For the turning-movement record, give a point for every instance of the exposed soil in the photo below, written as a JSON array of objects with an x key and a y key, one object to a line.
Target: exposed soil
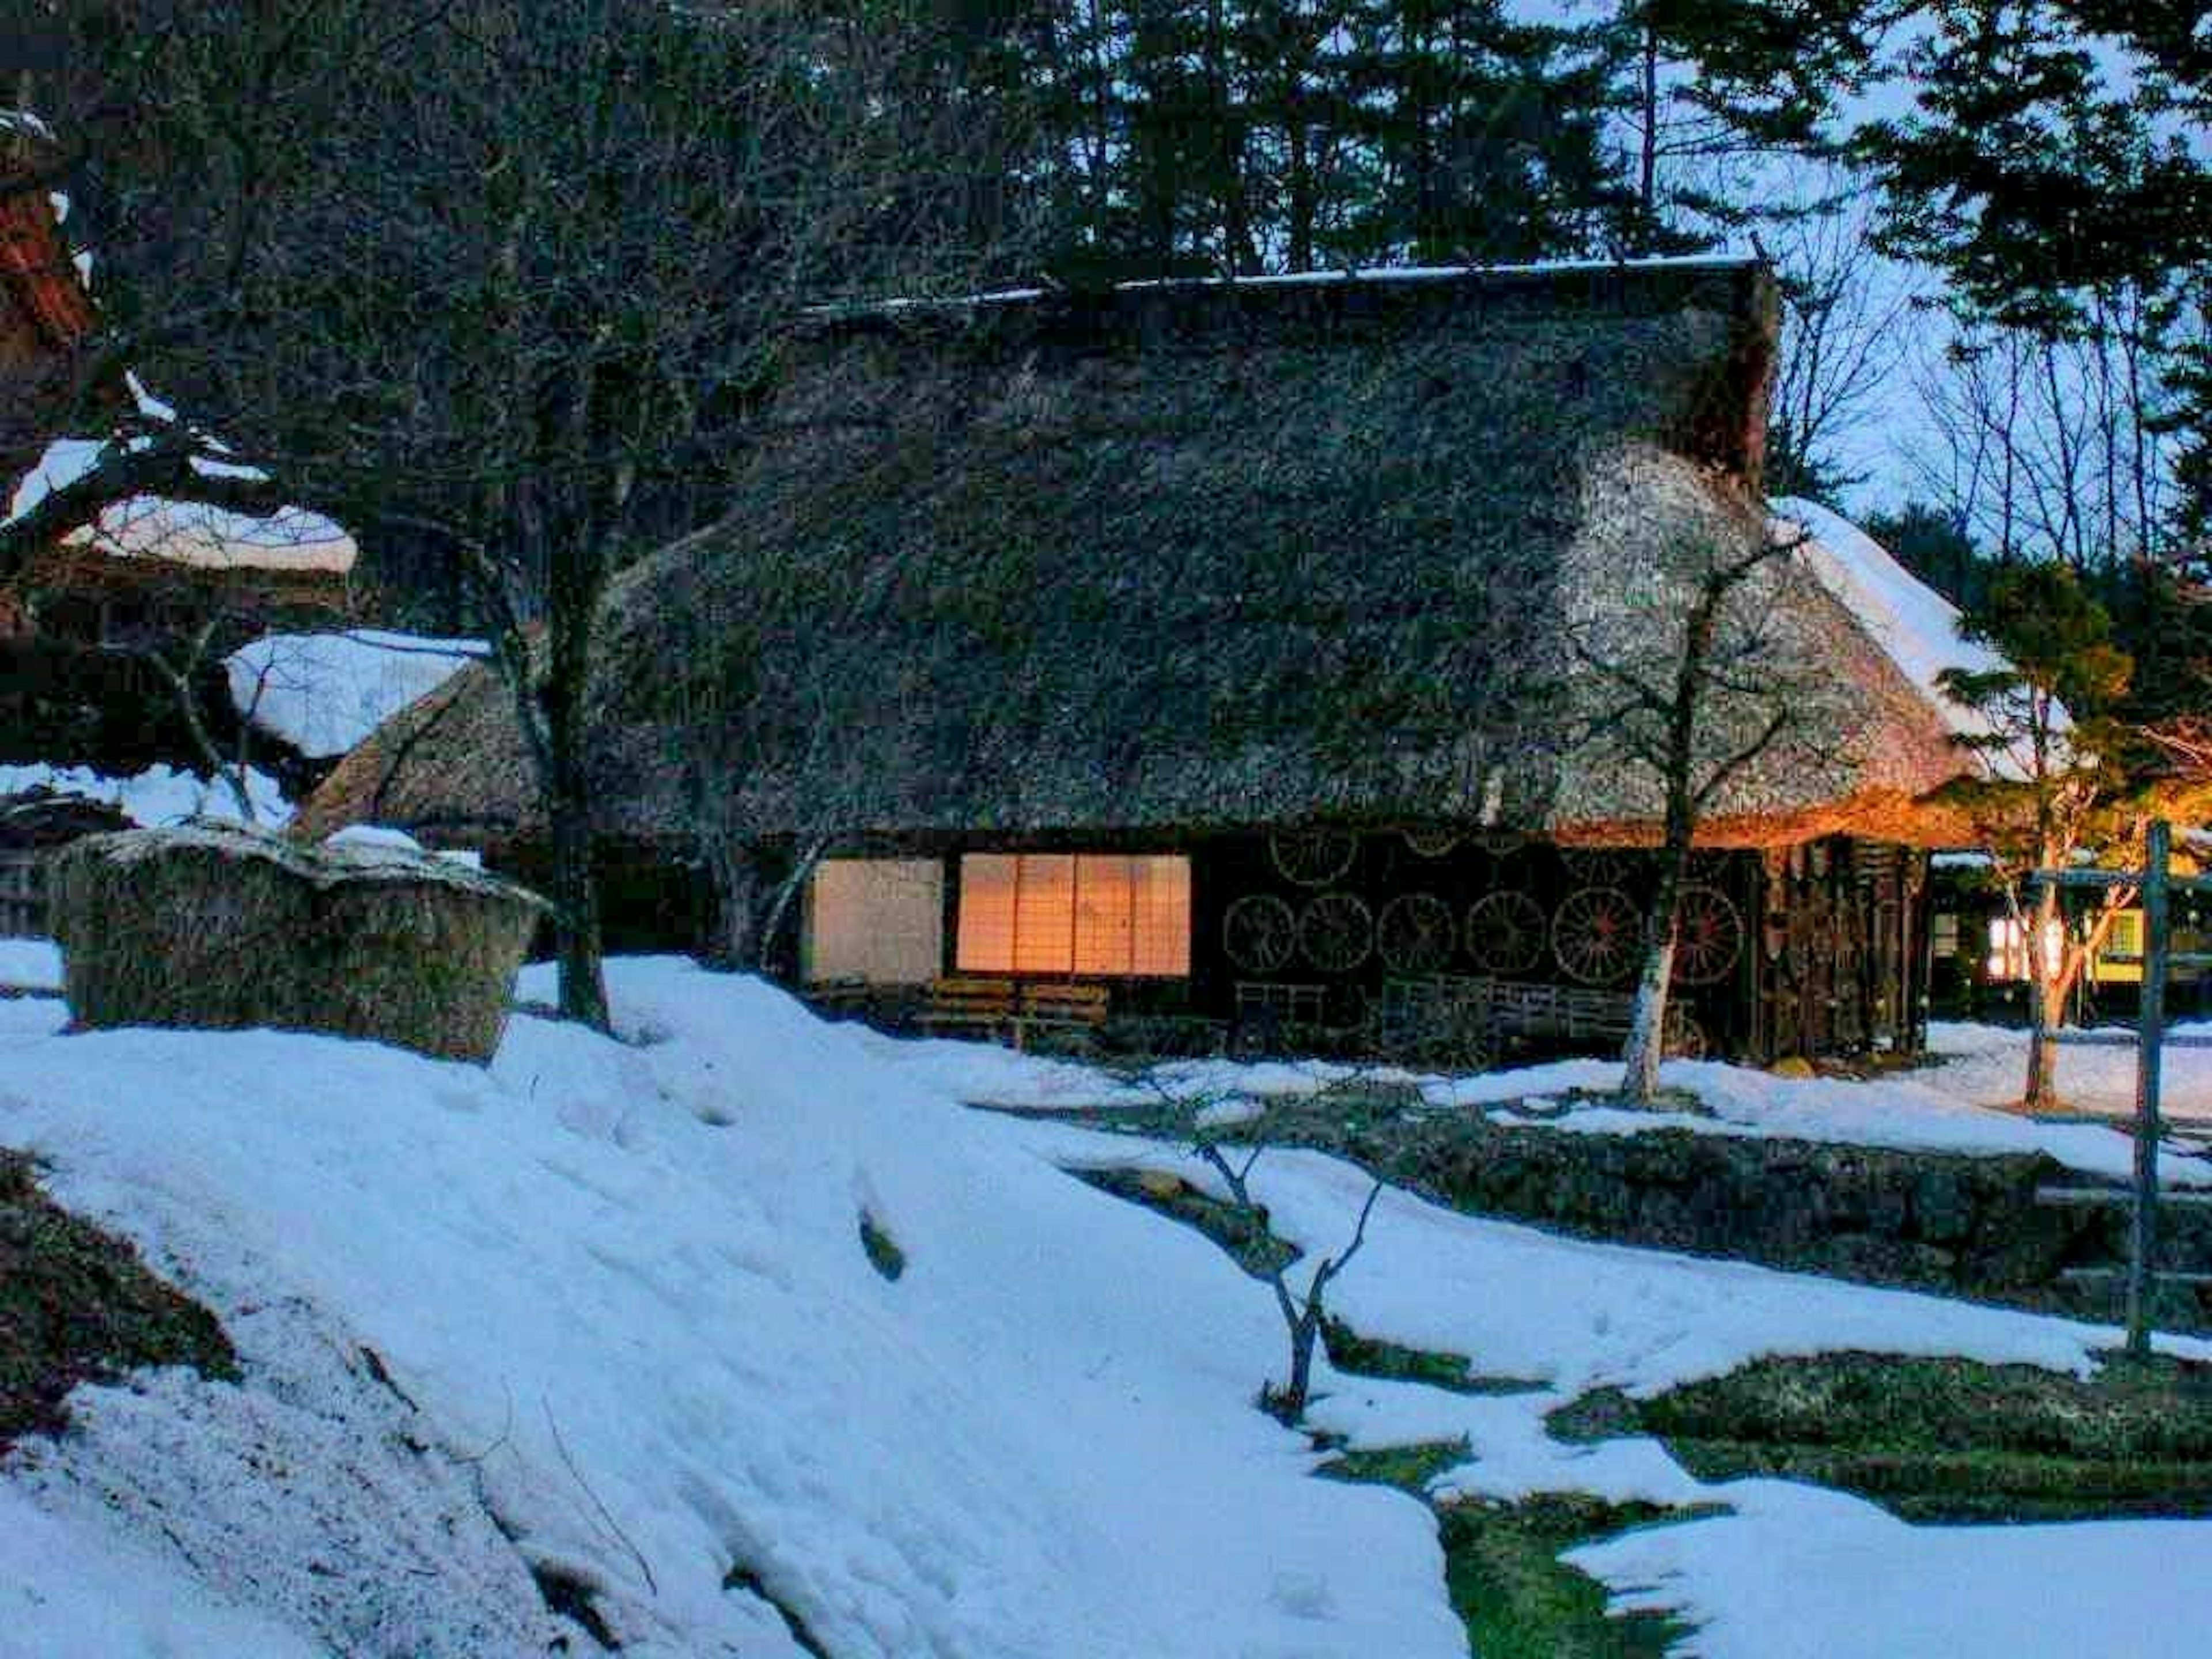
[{"x": 76, "y": 1305}]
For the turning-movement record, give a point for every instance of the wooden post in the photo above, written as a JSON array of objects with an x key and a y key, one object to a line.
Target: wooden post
[
  {"x": 2039, "y": 1029},
  {"x": 2142, "y": 1266}
]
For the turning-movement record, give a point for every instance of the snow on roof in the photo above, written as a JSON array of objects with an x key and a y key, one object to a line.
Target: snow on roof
[
  {"x": 1922, "y": 631},
  {"x": 324, "y": 693},
  {"x": 1963, "y": 859},
  {"x": 158, "y": 796},
  {"x": 1438, "y": 273},
  {"x": 197, "y": 533},
  {"x": 1306, "y": 279},
  {"x": 188, "y": 532}
]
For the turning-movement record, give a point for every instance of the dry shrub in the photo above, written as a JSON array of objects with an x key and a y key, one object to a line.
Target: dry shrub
[{"x": 224, "y": 927}]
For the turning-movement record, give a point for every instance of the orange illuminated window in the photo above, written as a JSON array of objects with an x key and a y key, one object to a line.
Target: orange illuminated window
[{"x": 1074, "y": 913}]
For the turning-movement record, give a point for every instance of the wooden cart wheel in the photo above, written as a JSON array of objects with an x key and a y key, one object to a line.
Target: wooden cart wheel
[
  {"x": 1312, "y": 858},
  {"x": 1708, "y": 936},
  {"x": 1597, "y": 936},
  {"x": 1416, "y": 934},
  {"x": 1505, "y": 932},
  {"x": 1432, "y": 843},
  {"x": 1259, "y": 933},
  {"x": 1335, "y": 933}
]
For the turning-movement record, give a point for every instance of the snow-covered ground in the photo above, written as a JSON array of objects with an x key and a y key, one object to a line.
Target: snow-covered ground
[
  {"x": 620, "y": 1296},
  {"x": 626, "y": 1286},
  {"x": 1986, "y": 1065},
  {"x": 30, "y": 964},
  {"x": 1949, "y": 1107}
]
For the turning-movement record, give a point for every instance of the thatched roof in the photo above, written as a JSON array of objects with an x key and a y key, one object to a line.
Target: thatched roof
[{"x": 1205, "y": 557}]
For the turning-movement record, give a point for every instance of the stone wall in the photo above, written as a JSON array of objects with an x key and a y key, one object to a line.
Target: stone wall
[{"x": 1962, "y": 1226}]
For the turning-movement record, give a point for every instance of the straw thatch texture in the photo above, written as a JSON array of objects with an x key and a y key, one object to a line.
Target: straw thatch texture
[
  {"x": 1185, "y": 558},
  {"x": 224, "y": 927}
]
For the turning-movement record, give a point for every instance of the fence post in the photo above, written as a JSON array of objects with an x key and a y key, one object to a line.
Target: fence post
[{"x": 2150, "y": 1043}]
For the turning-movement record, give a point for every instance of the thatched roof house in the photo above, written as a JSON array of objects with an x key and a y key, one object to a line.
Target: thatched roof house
[
  {"x": 1202, "y": 561},
  {"x": 1198, "y": 556}
]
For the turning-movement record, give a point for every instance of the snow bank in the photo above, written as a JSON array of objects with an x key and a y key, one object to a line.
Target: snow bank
[
  {"x": 30, "y": 964},
  {"x": 1570, "y": 1315},
  {"x": 1797, "y": 1572},
  {"x": 1986, "y": 1065},
  {"x": 158, "y": 796},
  {"x": 76, "y": 1581},
  {"x": 324, "y": 693},
  {"x": 628, "y": 1281}
]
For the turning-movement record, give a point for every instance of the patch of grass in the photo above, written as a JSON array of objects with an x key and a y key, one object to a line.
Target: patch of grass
[
  {"x": 1502, "y": 1565},
  {"x": 1520, "y": 1601},
  {"x": 1365, "y": 1356},
  {"x": 1409, "y": 1468},
  {"x": 882, "y": 1251},
  {"x": 1941, "y": 1439},
  {"x": 1246, "y": 1238},
  {"x": 77, "y": 1305}
]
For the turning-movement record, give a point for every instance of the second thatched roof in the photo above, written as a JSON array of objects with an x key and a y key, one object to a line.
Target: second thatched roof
[{"x": 1211, "y": 557}]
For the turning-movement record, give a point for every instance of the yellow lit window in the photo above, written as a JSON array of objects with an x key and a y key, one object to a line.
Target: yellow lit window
[{"x": 1095, "y": 914}]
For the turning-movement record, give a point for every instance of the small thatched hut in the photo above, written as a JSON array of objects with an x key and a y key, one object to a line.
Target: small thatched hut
[{"x": 1246, "y": 648}]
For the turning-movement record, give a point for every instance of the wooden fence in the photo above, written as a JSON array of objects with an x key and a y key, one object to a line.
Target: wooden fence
[{"x": 22, "y": 894}]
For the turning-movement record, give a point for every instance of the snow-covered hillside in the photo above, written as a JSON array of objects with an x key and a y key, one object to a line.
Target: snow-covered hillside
[
  {"x": 610, "y": 1301},
  {"x": 626, "y": 1285}
]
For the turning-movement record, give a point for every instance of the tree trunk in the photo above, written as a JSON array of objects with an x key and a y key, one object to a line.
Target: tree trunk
[
  {"x": 1647, "y": 1032},
  {"x": 1647, "y": 163},
  {"x": 568, "y": 813},
  {"x": 2049, "y": 987},
  {"x": 575, "y": 897},
  {"x": 736, "y": 940}
]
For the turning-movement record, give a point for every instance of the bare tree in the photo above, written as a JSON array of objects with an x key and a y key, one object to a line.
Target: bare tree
[
  {"x": 1304, "y": 1313},
  {"x": 2055, "y": 446},
  {"x": 509, "y": 276},
  {"x": 1844, "y": 311},
  {"x": 1699, "y": 680}
]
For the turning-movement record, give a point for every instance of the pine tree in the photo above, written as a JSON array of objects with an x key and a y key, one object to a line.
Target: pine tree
[{"x": 2054, "y": 777}]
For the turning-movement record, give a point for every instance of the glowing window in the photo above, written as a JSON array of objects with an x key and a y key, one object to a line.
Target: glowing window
[
  {"x": 1099, "y": 914},
  {"x": 2009, "y": 948},
  {"x": 877, "y": 920}
]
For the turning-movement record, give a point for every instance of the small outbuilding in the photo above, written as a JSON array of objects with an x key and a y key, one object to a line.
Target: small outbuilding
[{"x": 1247, "y": 651}]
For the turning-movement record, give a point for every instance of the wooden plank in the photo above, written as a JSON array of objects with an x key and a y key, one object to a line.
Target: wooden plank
[
  {"x": 2101, "y": 878},
  {"x": 2149, "y": 1069},
  {"x": 2098, "y": 1275}
]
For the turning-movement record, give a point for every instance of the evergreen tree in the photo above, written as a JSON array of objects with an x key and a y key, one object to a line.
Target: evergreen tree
[{"x": 2056, "y": 776}]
